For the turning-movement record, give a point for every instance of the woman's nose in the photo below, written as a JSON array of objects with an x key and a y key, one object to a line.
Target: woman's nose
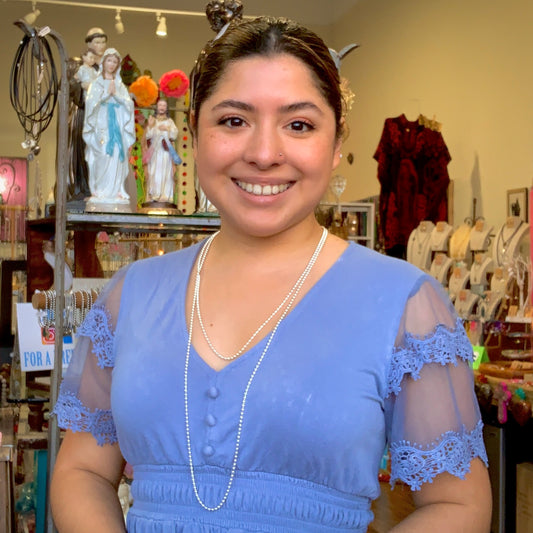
[{"x": 264, "y": 148}]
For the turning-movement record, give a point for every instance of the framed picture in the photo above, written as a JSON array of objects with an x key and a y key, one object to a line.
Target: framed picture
[{"x": 517, "y": 203}]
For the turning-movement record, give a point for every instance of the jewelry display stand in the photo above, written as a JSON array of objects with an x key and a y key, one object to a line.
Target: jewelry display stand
[
  {"x": 419, "y": 245},
  {"x": 489, "y": 307},
  {"x": 465, "y": 302},
  {"x": 508, "y": 240},
  {"x": 480, "y": 236},
  {"x": 459, "y": 245},
  {"x": 481, "y": 267},
  {"x": 440, "y": 268},
  {"x": 458, "y": 281},
  {"x": 440, "y": 236},
  {"x": 499, "y": 281}
]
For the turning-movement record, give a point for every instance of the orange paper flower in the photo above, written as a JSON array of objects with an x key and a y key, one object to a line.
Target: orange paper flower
[
  {"x": 174, "y": 83},
  {"x": 145, "y": 91}
]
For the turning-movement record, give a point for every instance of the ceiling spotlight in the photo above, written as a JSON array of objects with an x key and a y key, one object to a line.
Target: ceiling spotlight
[
  {"x": 31, "y": 17},
  {"x": 161, "y": 30},
  {"x": 119, "y": 25}
]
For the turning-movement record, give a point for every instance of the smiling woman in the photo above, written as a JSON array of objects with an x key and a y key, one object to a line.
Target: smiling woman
[{"x": 254, "y": 397}]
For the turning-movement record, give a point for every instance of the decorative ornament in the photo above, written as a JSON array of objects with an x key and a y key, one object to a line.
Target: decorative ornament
[
  {"x": 221, "y": 12},
  {"x": 484, "y": 394},
  {"x": 129, "y": 71},
  {"x": 339, "y": 56},
  {"x": 174, "y": 83},
  {"x": 520, "y": 407},
  {"x": 145, "y": 91},
  {"x": 503, "y": 396}
]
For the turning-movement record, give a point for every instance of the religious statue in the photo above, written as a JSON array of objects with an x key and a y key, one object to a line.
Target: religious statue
[
  {"x": 96, "y": 40},
  {"x": 80, "y": 77},
  {"x": 161, "y": 157},
  {"x": 108, "y": 132}
]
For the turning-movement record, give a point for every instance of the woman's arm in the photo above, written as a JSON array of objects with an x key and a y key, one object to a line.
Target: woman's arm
[
  {"x": 452, "y": 504},
  {"x": 84, "y": 486}
]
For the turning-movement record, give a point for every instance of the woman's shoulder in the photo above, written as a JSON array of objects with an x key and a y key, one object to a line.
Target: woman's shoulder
[{"x": 375, "y": 264}]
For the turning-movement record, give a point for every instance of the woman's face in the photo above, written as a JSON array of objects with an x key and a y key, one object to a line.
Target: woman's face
[
  {"x": 265, "y": 145},
  {"x": 110, "y": 64}
]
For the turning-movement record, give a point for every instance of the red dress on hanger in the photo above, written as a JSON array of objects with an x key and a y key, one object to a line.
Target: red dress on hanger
[{"x": 412, "y": 171}]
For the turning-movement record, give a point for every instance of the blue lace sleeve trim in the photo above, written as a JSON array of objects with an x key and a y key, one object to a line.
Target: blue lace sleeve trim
[
  {"x": 452, "y": 453},
  {"x": 96, "y": 326},
  {"x": 72, "y": 414},
  {"x": 442, "y": 346}
]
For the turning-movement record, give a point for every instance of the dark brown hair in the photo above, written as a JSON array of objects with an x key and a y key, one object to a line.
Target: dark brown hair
[{"x": 266, "y": 36}]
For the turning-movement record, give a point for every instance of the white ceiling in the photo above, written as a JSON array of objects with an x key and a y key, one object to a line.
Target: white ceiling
[{"x": 305, "y": 11}]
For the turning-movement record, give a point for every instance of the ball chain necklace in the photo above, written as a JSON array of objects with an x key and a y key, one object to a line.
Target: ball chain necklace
[
  {"x": 201, "y": 260},
  {"x": 291, "y": 297}
]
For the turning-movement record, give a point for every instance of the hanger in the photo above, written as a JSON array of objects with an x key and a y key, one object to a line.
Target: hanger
[{"x": 432, "y": 124}]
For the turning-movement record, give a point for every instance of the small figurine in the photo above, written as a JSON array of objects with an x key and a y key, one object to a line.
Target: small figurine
[
  {"x": 108, "y": 132},
  {"x": 86, "y": 73},
  {"x": 161, "y": 157},
  {"x": 96, "y": 40}
]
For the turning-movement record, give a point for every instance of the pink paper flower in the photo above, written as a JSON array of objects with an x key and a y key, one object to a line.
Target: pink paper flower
[{"x": 174, "y": 83}]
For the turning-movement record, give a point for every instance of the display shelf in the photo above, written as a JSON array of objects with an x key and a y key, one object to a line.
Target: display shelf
[
  {"x": 86, "y": 226},
  {"x": 365, "y": 211},
  {"x": 140, "y": 222}
]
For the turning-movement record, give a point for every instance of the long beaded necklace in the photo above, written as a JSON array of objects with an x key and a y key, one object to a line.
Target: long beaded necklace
[{"x": 293, "y": 294}]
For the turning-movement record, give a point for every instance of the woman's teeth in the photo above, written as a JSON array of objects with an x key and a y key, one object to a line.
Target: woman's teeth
[{"x": 266, "y": 190}]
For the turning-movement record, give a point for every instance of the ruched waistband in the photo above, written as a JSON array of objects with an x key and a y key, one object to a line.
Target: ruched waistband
[{"x": 257, "y": 501}]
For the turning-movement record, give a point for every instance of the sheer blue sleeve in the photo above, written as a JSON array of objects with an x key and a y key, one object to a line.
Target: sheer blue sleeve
[
  {"x": 433, "y": 419},
  {"x": 84, "y": 396}
]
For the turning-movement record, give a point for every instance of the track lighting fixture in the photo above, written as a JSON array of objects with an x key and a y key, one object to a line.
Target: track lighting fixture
[
  {"x": 161, "y": 30},
  {"x": 119, "y": 25},
  {"x": 31, "y": 17}
]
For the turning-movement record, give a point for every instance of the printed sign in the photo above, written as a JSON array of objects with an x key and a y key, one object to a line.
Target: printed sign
[{"x": 36, "y": 344}]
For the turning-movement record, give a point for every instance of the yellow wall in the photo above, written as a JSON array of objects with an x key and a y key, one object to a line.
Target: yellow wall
[{"x": 468, "y": 62}]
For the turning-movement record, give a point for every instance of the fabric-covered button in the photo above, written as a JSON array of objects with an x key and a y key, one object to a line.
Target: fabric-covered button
[
  {"x": 210, "y": 420},
  {"x": 208, "y": 451},
  {"x": 213, "y": 392}
]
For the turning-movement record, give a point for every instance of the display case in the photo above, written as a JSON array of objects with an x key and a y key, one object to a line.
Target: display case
[
  {"x": 86, "y": 227},
  {"x": 353, "y": 221}
]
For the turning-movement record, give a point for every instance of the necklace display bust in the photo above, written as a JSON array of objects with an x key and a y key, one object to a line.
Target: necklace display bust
[
  {"x": 418, "y": 245},
  {"x": 508, "y": 240},
  {"x": 481, "y": 267},
  {"x": 440, "y": 268},
  {"x": 459, "y": 245},
  {"x": 458, "y": 281},
  {"x": 498, "y": 282},
  {"x": 465, "y": 303},
  {"x": 489, "y": 307},
  {"x": 440, "y": 235},
  {"x": 480, "y": 236}
]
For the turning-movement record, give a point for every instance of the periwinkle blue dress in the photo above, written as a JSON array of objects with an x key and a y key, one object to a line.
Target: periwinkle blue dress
[{"x": 373, "y": 353}]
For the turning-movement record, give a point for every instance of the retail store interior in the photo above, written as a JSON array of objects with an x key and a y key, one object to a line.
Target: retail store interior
[{"x": 448, "y": 78}]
